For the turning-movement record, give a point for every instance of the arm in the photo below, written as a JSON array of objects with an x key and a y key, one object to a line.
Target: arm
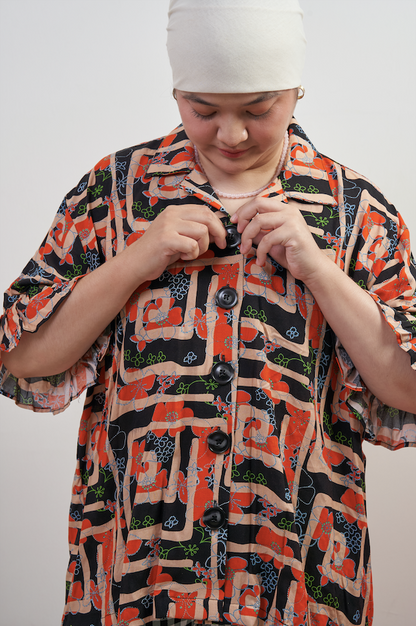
[
  {"x": 280, "y": 230},
  {"x": 178, "y": 232},
  {"x": 359, "y": 324}
]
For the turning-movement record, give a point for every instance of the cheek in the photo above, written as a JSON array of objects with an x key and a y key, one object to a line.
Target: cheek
[{"x": 199, "y": 132}]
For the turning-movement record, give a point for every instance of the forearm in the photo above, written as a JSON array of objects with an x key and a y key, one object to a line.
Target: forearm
[{"x": 359, "y": 324}]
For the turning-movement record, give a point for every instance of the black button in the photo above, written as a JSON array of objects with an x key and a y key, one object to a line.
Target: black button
[
  {"x": 214, "y": 517},
  {"x": 222, "y": 373},
  {"x": 233, "y": 237},
  {"x": 218, "y": 442},
  {"x": 226, "y": 297}
]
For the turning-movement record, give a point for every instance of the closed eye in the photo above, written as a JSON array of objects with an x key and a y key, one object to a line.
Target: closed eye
[
  {"x": 202, "y": 117},
  {"x": 257, "y": 116}
]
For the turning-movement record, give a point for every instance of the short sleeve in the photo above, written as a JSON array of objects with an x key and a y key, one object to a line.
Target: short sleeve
[
  {"x": 382, "y": 264},
  {"x": 73, "y": 247}
]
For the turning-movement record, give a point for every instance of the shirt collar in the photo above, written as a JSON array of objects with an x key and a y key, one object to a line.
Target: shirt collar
[{"x": 308, "y": 176}]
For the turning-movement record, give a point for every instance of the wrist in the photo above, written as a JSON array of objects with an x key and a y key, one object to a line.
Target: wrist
[{"x": 322, "y": 275}]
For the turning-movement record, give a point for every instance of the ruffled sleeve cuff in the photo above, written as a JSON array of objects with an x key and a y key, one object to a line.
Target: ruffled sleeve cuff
[
  {"x": 54, "y": 393},
  {"x": 51, "y": 393},
  {"x": 384, "y": 425}
]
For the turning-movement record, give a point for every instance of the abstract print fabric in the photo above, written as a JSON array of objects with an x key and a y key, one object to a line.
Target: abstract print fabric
[{"x": 220, "y": 472}]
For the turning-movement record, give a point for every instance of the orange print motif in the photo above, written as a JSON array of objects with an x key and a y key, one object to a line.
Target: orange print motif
[
  {"x": 275, "y": 387},
  {"x": 136, "y": 389}
]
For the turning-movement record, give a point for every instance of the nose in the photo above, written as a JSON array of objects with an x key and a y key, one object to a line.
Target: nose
[{"x": 232, "y": 132}]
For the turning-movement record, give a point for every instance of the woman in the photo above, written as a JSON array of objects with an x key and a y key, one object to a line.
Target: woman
[{"x": 220, "y": 465}]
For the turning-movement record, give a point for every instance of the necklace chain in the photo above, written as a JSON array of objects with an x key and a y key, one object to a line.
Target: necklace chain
[{"x": 250, "y": 194}]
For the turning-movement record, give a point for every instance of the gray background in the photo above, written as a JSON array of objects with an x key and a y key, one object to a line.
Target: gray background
[{"x": 82, "y": 78}]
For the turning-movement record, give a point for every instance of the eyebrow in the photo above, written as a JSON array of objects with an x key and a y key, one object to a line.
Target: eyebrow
[{"x": 267, "y": 95}]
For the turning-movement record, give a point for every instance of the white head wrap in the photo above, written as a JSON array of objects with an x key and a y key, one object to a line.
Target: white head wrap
[{"x": 235, "y": 46}]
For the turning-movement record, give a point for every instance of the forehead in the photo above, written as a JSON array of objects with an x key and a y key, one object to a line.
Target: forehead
[{"x": 227, "y": 99}]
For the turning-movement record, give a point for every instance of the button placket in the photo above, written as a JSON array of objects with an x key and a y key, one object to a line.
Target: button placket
[
  {"x": 219, "y": 442},
  {"x": 233, "y": 237},
  {"x": 214, "y": 517},
  {"x": 222, "y": 372},
  {"x": 226, "y": 298}
]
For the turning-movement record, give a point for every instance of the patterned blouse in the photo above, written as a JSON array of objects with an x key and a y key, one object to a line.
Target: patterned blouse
[{"x": 220, "y": 471}]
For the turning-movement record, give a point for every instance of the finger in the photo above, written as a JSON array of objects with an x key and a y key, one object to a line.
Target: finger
[
  {"x": 244, "y": 215},
  {"x": 247, "y": 212},
  {"x": 197, "y": 238},
  {"x": 186, "y": 248},
  {"x": 259, "y": 226},
  {"x": 277, "y": 239},
  {"x": 174, "y": 235},
  {"x": 204, "y": 215}
]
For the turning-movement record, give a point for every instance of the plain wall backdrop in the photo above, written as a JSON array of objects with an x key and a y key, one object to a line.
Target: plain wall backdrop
[{"x": 82, "y": 78}]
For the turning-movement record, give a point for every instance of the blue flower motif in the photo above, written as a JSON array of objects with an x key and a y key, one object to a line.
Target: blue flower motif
[
  {"x": 77, "y": 564},
  {"x": 267, "y": 567},
  {"x": 392, "y": 245},
  {"x": 121, "y": 463},
  {"x": 357, "y": 616},
  {"x": 292, "y": 332},
  {"x": 349, "y": 209},
  {"x": 121, "y": 184},
  {"x": 221, "y": 560},
  {"x": 321, "y": 381},
  {"x": 230, "y": 315},
  {"x": 300, "y": 517},
  {"x": 260, "y": 394},
  {"x": 147, "y": 601},
  {"x": 99, "y": 398},
  {"x": 349, "y": 229},
  {"x": 33, "y": 269},
  {"x": 171, "y": 522},
  {"x": 293, "y": 462},
  {"x": 254, "y": 558},
  {"x": 287, "y": 494},
  {"x": 81, "y": 187},
  {"x": 164, "y": 449},
  {"x": 62, "y": 208},
  {"x": 340, "y": 518},
  {"x": 190, "y": 358},
  {"x": 268, "y": 577},
  {"x": 325, "y": 358},
  {"x": 352, "y": 537},
  {"x": 333, "y": 172},
  {"x": 120, "y": 331},
  {"x": 178, "y": 285},
  {"x": 92, "y": 259},
  {"x": 222, "y": 534},
  {"x": 289, "y": 614}
]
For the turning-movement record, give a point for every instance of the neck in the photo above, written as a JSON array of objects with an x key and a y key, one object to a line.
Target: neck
[{"x": 240, "y": 186}]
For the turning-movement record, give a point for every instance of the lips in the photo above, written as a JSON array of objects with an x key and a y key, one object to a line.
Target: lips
[{"x": 232, "y": 154}]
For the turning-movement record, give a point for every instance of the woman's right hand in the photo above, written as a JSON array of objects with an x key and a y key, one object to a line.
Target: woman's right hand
[{"x": 179, "y": 232}]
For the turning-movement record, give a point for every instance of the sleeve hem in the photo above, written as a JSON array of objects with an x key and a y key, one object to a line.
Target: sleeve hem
[
  {"x": 53, "y": 394},
  {"x": 384, "y": 425}
]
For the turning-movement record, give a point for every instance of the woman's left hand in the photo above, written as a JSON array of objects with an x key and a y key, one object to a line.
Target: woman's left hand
[{"x": 278, "y": 228}]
